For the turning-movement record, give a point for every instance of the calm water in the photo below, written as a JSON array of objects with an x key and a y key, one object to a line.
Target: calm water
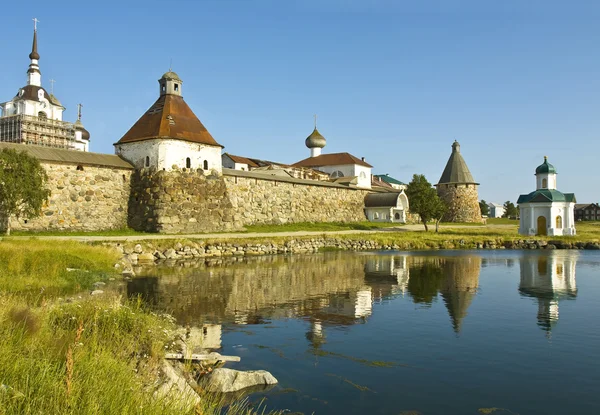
[{"x": 390, "y": 333}]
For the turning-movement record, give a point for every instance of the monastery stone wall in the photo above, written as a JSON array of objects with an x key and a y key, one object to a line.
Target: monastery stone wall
[
  {"x": 260, "y": 201},
  {"x": 462, "y": 202},
  {"x": 191, "y": 201},
  {"x": 91, "y": 199},
  {"x": 180, "y": 201}
]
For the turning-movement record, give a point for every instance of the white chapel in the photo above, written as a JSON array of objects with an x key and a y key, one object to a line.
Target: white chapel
[{"x": 546, "y": 211}]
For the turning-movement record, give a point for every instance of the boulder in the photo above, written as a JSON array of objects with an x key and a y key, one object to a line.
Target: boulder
[
  {"x": 138, "y": 249},
  {"x": 229, "y": 380}
]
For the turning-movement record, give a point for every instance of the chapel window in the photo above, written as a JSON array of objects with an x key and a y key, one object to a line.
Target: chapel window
[
  {"x": 544, "y": 183},
  {"x": 188, "y": 163},
  {"x": 559, "y": 222},
  {"x": 205, "y": 164}
]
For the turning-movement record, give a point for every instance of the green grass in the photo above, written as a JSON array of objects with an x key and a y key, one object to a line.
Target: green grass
[
  {"x": 47, "y": 268},
  {"x": 318, "y": 226},
  {"x": 96, "y": 355},
  {"x": 502, "y": 221}
]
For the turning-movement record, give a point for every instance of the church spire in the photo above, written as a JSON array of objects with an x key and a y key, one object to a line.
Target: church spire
[{"x": 34, "y": 77}]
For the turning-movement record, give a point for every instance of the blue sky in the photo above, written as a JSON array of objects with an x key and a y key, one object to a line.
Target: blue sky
[{"x": 392, "y": 81}]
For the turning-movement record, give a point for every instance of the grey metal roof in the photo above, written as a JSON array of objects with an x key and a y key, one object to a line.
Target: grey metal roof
[
  {"x": 456, "y": 170},
  {"x": 61, "y": 155},
  {"x": 382, "y": 199}
]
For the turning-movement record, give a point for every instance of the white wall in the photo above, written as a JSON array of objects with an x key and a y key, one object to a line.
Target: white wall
[
  {"x": 529, "y": 213},
  {"x": 228, "y": 163},
  {"x": 166, "y": 153},
  {"x": 551, "y": 178},
  {"x": 351, "y": 170}
]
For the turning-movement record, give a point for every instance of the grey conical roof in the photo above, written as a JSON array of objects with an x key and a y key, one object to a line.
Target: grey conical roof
[{"x": 456, "y": 170}]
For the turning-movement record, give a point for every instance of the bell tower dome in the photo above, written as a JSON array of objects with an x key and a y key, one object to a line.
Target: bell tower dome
[{"x": 170, "y": 84}]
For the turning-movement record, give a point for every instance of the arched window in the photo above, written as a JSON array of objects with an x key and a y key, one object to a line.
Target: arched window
[
  {"x": 42, "y": 115},
  {"x": 205, "y": 164},
  {"x": 544, "y": 183},
  {"x": 147, "y": 161},
  {"x": 397, "y": 216},
  {"x": 376, "y": 215},
  {"x": 188, "y": 163},
  {"x": 559, "y": 222},
  {"x": 363, "y": 175},
  {"x": 79, "y": 167},
  {"x": 336, "y": 174}
]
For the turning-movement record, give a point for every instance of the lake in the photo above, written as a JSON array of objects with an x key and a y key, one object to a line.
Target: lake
[{"x": 436, "y": 332}]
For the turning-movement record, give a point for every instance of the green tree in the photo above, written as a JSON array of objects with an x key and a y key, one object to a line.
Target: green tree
[
  {"x": 22, "y": 186},
  {"x": 485, "y": 209},
  {"x": 424, "y": 201},
  {"x": 510, "y": 210}
]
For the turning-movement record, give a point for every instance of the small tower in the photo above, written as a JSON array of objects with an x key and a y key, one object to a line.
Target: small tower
[
  {"x": 315, "y": 141},
  {"x": 82, "y": 136},
  {"x": 169, "y": 136},
  {"x": 459, "y": 190},
  {"x": 170, "y": 83},
  {"x": 545, "y": 175}
]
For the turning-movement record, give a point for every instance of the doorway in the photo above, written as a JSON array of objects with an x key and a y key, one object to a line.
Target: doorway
[{"x": 541, "y": 226}]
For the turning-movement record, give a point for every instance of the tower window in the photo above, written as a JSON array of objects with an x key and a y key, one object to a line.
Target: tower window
[
  {"x": 176, "y": 87},
  {"x": 147, "y": 161},
  {"x": 544, "y": 183},
  {"x": 188, "y": 163},
  {"x": 162, "y": 87},
  {"x": 205, "y": 164},
  {"x": 42, "y": 115}
]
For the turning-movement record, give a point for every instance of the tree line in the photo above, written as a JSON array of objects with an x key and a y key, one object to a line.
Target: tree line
[{"x": 510, "y": 210}]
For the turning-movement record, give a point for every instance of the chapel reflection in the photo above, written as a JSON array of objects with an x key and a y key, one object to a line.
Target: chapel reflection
[{"x": 549, "y": 278}]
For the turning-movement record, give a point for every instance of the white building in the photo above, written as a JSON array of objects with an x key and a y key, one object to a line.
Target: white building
[
  {"x": 335, "y": 164},
  {"x": 386, "y": 207},
  {"x": 34, "y": 116},
  {"x": 169, "y": 135},
  {"x": 496, "y": 210},
  {"x": 546, "y": 211}
]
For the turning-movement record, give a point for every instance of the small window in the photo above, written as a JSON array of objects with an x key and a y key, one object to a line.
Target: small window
[
  {"x": 147, "y": 161},
  {"x": 559, "y": 222},
  {"x": 397, "y": 216},
  {"x": 205, "y": 164},
  {"x": 80, "y": 167},
  {"x": 544, "y": 183},
  {"x": 363, "y": 175},
  {"x": 376, "y": 215},
  {"x": 42, "y": 115},
  {"x": 176, "y": 87},
  {"x": 188, "y": 163},
  {"x": 162, "y": 87}
]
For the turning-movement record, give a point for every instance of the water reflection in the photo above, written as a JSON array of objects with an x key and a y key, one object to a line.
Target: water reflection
[
  {"x": 333, "y": 289},
  {"x": 550, "y": 279}
]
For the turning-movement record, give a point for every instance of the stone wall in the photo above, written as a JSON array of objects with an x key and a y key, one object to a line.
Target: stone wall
[
  {"x": 180, "y": 201},
  {"x": 192, "y": 201},
  {"x": 462, "y": 202},
  {"x": 90, "y": 198},
  {"x": 276, "y": 201}
]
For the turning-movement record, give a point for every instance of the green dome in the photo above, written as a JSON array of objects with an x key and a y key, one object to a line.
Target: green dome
[{"x": 545, "y": 167}]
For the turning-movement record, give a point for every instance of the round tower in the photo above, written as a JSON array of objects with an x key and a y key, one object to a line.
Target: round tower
[
  {"x": 458, "y": 189},
  {"x": 545, "y": 176}
]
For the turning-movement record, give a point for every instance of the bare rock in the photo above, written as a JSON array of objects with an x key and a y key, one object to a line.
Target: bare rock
[
  {"x": 97, "y": 292},
  {"x": 138, "y": 249},
  {"x": 146, "y": 257},
  {"x": 229, "y": 380}
]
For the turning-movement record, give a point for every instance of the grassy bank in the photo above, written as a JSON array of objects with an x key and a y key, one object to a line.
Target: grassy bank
[{"x": 89, "y": 355}]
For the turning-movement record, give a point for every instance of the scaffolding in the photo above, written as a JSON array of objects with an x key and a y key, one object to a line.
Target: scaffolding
[{"x": 28, "y": 129}]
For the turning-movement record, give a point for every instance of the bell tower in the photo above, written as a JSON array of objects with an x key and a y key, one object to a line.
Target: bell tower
[{"x": 170, "y": 84}]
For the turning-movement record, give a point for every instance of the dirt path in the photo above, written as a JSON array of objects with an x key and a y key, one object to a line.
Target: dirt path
[{"x": 243, "y": 235}]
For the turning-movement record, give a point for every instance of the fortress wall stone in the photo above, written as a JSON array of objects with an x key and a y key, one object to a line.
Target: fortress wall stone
[
  {"x": 259, "y": 201},
  {"x": 462, "y": 201},
  {"x": 89, "y": 199},
  {"x": 192, "y": 201}
]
